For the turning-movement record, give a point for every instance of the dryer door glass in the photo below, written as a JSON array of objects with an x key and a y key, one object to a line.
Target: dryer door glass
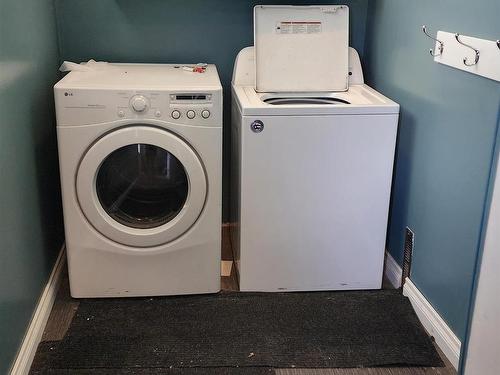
[{"x": 142, "y": 186}]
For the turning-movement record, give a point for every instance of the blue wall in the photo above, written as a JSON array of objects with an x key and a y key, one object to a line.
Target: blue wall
[
  {"x": 446, "y": 139},
  {"x": 173, "y": 31},
  {"x": 30, "y": 221}
]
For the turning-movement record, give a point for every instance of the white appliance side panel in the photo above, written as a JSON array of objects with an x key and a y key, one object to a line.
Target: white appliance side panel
[
  {"x": 235, "y": 179},
  {"x": 314, "y": 201}
]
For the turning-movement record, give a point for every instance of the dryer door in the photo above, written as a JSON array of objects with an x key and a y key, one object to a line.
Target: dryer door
[{"x": 141, "y": 186}]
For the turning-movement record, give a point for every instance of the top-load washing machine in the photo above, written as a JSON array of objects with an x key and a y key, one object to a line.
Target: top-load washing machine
[
  {"x": 140, "y": 150},
  {"x": 312, "y": 157}
]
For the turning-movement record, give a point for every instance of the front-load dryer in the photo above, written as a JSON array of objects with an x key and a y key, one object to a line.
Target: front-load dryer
[{"x": 140, "y": 151}]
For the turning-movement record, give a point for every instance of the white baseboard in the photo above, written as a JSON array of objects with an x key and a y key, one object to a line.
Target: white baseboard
[
  {"x": 447, "y": 341},
  {"x": 26, "y": 353},
  {"x": 393, "y": 272}
]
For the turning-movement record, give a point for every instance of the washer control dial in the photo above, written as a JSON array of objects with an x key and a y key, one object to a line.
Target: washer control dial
[
  {"x": 175, "y": 114},
  {"x": 139, "y": 103},
  {"x": 205, "y": 113},
  {"x": 190, "y": 114}
]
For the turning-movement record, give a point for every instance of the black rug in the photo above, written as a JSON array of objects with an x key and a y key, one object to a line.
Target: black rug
[
  {"x": 160, "y": 371},
  {"x": 279, "y": 330}
]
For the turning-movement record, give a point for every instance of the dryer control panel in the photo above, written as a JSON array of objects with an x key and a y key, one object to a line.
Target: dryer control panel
[{"x": 194, "y": 108}]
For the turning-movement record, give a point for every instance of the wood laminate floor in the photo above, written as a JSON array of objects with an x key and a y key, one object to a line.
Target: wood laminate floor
[{"x": 65, "y": 307}]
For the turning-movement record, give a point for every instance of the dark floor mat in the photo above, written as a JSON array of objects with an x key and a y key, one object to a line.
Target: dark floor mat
[
  {"x": 307, "y": 330},
  {"x": 160, "y": 371}
]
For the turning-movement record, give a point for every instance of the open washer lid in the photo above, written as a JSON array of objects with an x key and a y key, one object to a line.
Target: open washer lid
[{"x": 301, "y": 48}]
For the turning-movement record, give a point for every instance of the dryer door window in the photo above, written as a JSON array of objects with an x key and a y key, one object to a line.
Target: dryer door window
[{"x": 142, "y": 186}]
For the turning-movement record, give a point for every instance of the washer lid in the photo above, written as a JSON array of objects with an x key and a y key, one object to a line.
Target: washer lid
[{"x": 301, "y": 48}]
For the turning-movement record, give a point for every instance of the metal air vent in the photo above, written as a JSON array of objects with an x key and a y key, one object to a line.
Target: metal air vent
[{"x": 408, "y": 254}]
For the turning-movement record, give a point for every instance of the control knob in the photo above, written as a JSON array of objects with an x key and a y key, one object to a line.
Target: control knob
[{"x": 139, "y": 103}]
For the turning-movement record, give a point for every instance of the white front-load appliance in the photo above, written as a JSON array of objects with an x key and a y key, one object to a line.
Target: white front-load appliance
[
  {"x": 310, "y": 183},
  {"x": 140, "y": 151}
]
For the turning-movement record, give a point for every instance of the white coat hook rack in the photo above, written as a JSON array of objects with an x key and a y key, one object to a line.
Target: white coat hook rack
[{"x": 473, "y": 55}]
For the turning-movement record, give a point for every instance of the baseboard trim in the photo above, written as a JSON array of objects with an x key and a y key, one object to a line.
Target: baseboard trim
[
  {"x": 447, "y": 341},
  {"x": 393, "y": 271},
  {"x": 26, "y": 353}
]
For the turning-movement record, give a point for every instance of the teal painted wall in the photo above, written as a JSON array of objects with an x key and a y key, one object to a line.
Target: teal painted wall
[
  {"x": 30, "y": 221},
  {"x": 173, "y": 31},
  {"x": 445, "y": 144}
]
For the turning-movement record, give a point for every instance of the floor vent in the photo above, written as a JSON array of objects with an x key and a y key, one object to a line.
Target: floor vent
[{"x": 408, "y": 254}]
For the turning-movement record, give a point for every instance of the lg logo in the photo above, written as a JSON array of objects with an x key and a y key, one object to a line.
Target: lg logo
[
  {"x": 68, "y": 94},
  {"x": 257, "y": 126}
]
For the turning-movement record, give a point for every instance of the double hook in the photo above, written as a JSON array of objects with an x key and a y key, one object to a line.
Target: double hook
[
  {"x": 440, "y": 47},
  {"x": 476, "y": 57}
]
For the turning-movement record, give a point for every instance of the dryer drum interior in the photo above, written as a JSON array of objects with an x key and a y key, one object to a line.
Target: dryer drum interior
[{"x": 142, "y": 186}]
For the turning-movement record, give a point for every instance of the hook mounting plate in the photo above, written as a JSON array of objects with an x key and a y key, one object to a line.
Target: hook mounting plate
[{"x": 454, "y": 53}]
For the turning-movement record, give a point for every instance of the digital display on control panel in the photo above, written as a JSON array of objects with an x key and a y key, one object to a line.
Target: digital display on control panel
[{"x": 191, "y": 97}]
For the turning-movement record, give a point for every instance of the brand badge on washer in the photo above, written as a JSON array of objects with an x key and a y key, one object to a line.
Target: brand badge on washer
[{"x": 257, "y": 126}]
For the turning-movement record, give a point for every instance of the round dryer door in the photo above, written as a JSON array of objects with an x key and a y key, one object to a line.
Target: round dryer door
[{"x": 141, "y": 186}]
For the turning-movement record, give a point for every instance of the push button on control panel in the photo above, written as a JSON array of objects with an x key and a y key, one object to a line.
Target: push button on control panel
[
  {"x": 190, "y": 114},
  {"x": 175, "y": 114},
  {"x": 205, "y": 113}
]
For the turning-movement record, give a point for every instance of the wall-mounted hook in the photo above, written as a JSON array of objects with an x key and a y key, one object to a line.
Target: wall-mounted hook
[
  {"x": 476, "y": 58},
  {"x": 440, "y": 46}
]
